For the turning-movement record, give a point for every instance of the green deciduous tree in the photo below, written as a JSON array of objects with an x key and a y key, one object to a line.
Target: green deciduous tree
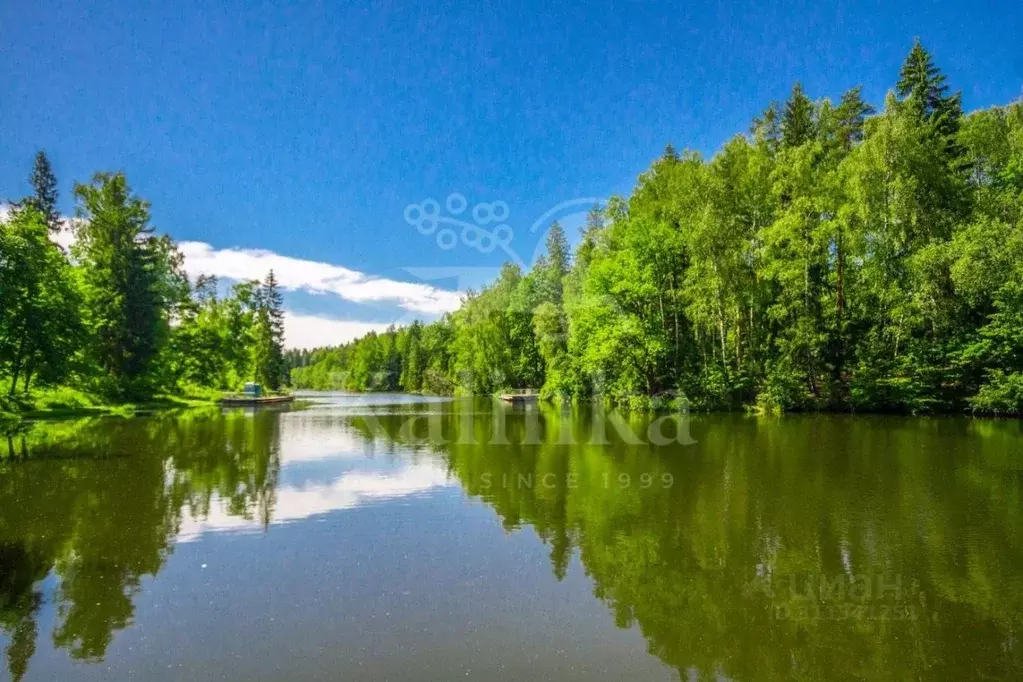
[{"x": 39, "y": 303}]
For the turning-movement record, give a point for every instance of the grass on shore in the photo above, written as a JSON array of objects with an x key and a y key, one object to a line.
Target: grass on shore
[{"x": 63, "y": 402}]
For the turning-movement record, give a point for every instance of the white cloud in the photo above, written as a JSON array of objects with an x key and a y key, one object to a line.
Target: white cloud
[
  {"x": 310, "y": 331},
  {"x": 316, "y": 277},
  {"x": 66, "y": 236}
]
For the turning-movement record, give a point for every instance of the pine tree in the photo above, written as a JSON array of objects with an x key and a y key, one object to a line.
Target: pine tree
[
  {"x": 269, "y": 352},
  {"x": 923, "y": 87},
  {"x": 851, "y": 115},
  {"x": 44, "y": 197},
  {"x": 556, "y": 262},
  {"x": 798, "y": 125},
  {"x": 922, "y": 84},
  {"x": 595, "y": 222}
]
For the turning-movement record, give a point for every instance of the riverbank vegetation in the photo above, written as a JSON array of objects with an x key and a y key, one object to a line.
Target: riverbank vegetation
[
  {"x": 835, "y": 257},
  {"x": 113, "y": 320}
]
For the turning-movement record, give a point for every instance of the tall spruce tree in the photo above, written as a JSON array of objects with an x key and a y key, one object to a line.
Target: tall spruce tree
[
  {"x": 269, "y": 351},
  {"x": 851, "y": 115},
  {"x": 557, "y": 262},
  {"x": 595, "y": 222},
  {"x": 798, "y": 124},
  {"x": 922, "y": 86},
  {"x": 44, "y": 196}
]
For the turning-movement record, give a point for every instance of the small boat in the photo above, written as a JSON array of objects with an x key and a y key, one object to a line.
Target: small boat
[{"x": 521, "y": 396}]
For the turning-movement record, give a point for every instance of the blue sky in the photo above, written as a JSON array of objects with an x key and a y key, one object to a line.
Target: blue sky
[{"x": 304, "y": 130}]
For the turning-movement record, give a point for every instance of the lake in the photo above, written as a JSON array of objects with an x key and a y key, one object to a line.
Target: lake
[{"x": 380, "y": 537}]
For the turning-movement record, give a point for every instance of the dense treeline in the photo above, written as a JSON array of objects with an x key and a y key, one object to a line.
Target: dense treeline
[
  {"x": 834, "y": 257},
  {"x": 414, "y": 359},
  {"x": 115, "y": 315}
]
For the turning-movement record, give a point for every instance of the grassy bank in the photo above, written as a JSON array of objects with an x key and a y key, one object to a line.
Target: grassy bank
[{"x": 65, "y": 402}]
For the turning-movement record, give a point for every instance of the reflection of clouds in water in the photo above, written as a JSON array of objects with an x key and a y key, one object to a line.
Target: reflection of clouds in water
[
  {"x": 340, "y": 401},
  {"x": 324, "y": 432},
  {"x": 351, "y": 490},
  {"x": 312, "y": 445},
  {"x": 309, "y": 440}
]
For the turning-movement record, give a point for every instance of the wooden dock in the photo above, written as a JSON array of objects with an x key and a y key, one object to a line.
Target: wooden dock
[
  {"x": 521, "y": 396},
  {"x": 253, "y": 401}
]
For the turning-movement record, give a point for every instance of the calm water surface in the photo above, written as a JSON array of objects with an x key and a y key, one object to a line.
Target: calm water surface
[{"x": 341, "y": 542}]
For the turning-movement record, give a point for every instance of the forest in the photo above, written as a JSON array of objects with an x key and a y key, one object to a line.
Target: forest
[
  {"x": 114, "y": 319},
  {"x": 833, "y": 257}
]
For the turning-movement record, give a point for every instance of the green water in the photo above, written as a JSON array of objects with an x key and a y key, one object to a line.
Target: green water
[{"x": 387, "y": 537}]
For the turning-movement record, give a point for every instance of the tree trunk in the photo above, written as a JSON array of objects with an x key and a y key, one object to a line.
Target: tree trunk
[
  {"x": 16, "y": 365},
  {"x": 721, "y": 329},
  {"x": 840, "y": 285},
  {"x": 738, "y": 339},
  {"x": 678, "y": 347}
]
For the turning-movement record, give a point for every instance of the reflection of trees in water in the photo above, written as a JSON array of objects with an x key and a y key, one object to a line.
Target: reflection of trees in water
[
  {"x": 19, "y": 602},
  {"x": 234, "y": 460},
  {"x": 713, "y": 569},
  {"x": 702, "y": 567},
  {"x": 98, "y": 503}
]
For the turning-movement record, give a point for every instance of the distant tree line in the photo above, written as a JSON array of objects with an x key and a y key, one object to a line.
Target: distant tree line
[
  {"x": 832, "y": 258},
  {"x": 116, "y": 314}
]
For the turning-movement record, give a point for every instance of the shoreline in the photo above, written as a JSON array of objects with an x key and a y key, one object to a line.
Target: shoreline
[
  {"x": 89, "y": 408},
  {"x": 657, "y": 404}
]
